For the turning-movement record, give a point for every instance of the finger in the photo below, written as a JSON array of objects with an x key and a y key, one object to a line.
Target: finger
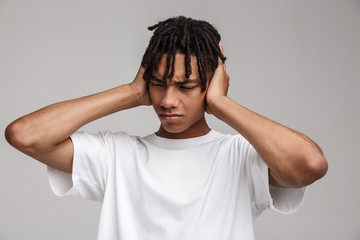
[
  {"x": 141, "y": 69},
  {"x": 221, "y": 63},
  {"x": 219, "y": 59},
  {"x": 221, "y": 48}
]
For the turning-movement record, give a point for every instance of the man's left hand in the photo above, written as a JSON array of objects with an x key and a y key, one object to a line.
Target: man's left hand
[{"x": 218, "y": 85}]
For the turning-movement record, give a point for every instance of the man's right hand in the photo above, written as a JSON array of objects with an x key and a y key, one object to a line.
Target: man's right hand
[{"x": 141, "y": 88}]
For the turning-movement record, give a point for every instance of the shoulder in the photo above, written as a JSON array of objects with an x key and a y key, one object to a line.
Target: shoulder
[
  {"x": 227, "y": 138},
  {"x": 104, "y": 138},
  {"x": 237, "y": 145}
]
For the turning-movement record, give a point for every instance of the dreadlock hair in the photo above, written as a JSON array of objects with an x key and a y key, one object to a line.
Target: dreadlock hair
[{"x": 189, "y": 37}]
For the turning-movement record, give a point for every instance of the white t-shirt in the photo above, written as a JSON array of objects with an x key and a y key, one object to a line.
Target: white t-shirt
[{"x": 210, "y": 187}]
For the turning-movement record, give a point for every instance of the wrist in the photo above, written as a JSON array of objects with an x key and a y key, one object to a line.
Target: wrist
[
  {"x": 135, "y": 93},
  {"x": 140, "y": 94},
  {"x": 214, "y": 105},
  {"x": 215, "y": 102}
]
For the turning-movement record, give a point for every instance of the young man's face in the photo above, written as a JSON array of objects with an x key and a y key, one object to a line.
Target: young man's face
[{"x": 179, "y": 104}]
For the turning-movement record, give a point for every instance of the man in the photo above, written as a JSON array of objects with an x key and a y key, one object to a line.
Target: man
[{"x": 186, "y": 181}]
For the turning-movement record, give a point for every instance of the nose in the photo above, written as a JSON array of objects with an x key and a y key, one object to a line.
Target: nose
[{"x": 170, "y": 98}]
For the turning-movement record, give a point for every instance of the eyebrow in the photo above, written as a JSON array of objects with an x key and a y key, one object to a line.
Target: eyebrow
[{"x": 180, "y": 82}]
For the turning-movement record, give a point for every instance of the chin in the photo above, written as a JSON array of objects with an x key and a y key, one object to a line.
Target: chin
[{"x": 174, "y": 129}]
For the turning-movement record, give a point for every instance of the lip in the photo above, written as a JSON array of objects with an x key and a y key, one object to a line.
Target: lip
[{"x": 171, "y": 117}]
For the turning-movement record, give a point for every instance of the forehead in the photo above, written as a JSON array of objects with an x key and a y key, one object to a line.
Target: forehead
[{"x": 179, "y": 66}]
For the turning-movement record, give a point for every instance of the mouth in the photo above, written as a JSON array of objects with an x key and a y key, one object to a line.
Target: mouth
[{"x": 170, "y": 117}]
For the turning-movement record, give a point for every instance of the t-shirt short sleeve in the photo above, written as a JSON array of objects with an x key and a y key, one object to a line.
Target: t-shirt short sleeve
[
  {"x": 263, "y": 195},
  {"x": 89, "y": 174}
]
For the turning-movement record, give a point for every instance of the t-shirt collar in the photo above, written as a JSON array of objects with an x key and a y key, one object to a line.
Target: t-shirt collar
[{"x": 180, "y": 143}]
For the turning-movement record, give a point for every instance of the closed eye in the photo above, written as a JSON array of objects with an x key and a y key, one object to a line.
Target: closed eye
[
  {"x": 188, "y": 88},
  {"x": 157, "y": 84}
]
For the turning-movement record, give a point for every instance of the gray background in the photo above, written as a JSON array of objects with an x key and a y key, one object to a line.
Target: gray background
[{"x": 296, "y": 62}]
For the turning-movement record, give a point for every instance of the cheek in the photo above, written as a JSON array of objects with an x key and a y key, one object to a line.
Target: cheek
[
  {"x": 196, "y": 101},
  {"x": 154, "y": 97}
]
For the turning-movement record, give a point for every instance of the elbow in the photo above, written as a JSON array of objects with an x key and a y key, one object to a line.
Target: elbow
[
  {"x": 16, "y": 135},
  {"x": 313, "y": 168}
]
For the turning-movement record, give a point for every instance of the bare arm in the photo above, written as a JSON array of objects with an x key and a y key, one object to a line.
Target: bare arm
[
  {"x": 293, "y": 159},
  {"x": 44, "y": 134}
]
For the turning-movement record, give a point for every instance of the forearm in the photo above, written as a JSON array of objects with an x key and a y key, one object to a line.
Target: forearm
[
  {"x": 293, "y": 158},
  {"x": 55, "y": 123}
]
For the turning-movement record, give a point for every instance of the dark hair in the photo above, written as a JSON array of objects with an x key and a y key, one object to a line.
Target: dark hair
[{"x": 189, "y": 37}]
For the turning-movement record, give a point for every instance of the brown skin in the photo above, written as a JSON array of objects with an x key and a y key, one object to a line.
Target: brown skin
[
  {"x": 293, "y": 159},
  {"x": 44, "y": 134},
  {"x": 179, "y": 104}
]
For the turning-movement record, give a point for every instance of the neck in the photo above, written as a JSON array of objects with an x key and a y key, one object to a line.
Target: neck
[{"x": 198, "y": 129}]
